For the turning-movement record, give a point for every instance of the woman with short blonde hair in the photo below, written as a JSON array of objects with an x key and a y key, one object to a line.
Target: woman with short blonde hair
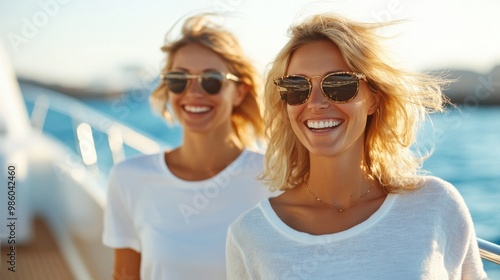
[
  {"x": 246, "y": 118},
  {"x": 167, "y": 213}
]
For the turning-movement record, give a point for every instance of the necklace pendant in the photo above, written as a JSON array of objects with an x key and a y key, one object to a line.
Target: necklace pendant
[{"x": 333, "y": 206}]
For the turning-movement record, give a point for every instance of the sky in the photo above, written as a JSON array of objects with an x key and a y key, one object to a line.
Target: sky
[{"x": 116, "y": 43}]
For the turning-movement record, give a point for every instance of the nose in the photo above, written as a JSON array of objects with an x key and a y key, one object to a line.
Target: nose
[
  {"x": 317, "y": 101},
  {"x": 193, "y": 87}
]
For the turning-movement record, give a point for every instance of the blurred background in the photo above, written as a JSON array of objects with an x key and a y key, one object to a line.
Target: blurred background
[{"x": 79, "y": 74}]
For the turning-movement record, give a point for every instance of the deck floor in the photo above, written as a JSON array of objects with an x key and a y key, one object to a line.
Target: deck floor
[{"x": 39, "y": 260}]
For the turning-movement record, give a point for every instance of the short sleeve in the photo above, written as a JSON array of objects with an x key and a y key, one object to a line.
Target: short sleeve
[
  {"x": 473, "y": 267},
  {"x": 462, "y": 236},
  {"x": 119, "y": 231},
  {"x": 236, "y": 266}
]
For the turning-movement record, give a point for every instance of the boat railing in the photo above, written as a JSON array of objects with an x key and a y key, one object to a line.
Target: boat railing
[
  {"x": 489, "y": 251},
  {"x": 87, "y": 144},
  {"x": 84, "y": 114},
  {"x": 86, "y": 123}
]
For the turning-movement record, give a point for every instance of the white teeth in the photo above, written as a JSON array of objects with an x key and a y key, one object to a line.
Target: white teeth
[
  {"x": 322, "y": 124},
  {"x": 197, "y": 109}
]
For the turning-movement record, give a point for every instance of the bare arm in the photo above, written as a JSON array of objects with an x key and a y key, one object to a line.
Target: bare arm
[{"x": 127, "y": 264}]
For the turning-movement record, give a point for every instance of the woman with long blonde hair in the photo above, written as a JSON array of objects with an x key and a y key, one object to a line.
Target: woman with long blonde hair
[
  {"x": 168, "y": 213},
  {"x": 342, "y": 123}
]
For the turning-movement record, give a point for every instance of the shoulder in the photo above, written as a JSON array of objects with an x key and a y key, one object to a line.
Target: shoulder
[
  {"x": 136, "y": 167},
  {"x": 437, "y": 187},
  {"x": 435, "y": 192},
  {"x": 248, "y": 222},
  {"x": 251, "y": 157},
  {"x": 249, "y": 162},
  {"x": 137, "y": 163},
  {"x": 127, "y": 178}
]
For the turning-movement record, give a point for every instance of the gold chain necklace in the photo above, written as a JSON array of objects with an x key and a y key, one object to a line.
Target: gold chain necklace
[{"x": 333, "y": 206}]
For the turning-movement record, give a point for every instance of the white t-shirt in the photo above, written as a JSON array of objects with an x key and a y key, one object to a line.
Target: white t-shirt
[
  {"x": 422, "y": 234},
  {"x": 178, "y": 226}
]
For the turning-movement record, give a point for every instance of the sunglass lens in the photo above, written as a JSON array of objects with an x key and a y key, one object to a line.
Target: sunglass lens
[
  {"x": 176, "y": 81},
  {"x": 340, "y": 87},
  {"x": 294, "y": 90},
  {"x": 212, "y": 82}
]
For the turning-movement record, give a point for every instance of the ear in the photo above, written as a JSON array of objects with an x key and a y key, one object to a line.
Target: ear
[
  {"x": 241, "y": 91},
  {"x": 374, "y": 102}
]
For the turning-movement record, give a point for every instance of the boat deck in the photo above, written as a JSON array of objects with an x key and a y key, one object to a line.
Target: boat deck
[{"x": 41, "y": 259}]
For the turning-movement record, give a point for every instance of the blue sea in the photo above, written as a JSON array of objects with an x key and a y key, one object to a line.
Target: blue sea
[{"x": 465, "y": 143}]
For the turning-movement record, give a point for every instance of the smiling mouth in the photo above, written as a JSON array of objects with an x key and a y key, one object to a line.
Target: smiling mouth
[
  {"x": 322, "y": 124},
  {"x": 197, "y": 109}
]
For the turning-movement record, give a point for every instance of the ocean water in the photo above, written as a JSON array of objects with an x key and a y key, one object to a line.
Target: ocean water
[
  {"x": 465, "y": 144},
  {"x": 467, "y": 154}
]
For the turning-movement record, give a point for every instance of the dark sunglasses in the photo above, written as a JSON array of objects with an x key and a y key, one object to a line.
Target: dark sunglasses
[
  {"x": 211, "y": 81},
  {"x": 338, "y": 87}
]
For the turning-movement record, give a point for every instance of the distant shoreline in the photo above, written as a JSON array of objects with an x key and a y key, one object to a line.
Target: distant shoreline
[
  {"x": 471, "y": 88},
  {"x": 76, "y": 92}
]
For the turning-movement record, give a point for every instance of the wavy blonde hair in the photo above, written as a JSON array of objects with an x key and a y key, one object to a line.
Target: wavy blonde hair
[
  {"x": 246, "y": 118},
  {"x": 405, "y": 100}
]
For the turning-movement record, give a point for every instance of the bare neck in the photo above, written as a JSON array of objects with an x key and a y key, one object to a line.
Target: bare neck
[
  {"x": 202, "y": 156},
  {"x": 338, "y": 180}
]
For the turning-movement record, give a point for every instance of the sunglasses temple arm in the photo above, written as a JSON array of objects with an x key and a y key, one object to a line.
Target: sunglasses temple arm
[{"x": 230, "y": 76}]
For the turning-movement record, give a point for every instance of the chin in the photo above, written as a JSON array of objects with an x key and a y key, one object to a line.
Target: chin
[
  {"x": 196, "y": 129},
  {"x": 323, "y": 151}
]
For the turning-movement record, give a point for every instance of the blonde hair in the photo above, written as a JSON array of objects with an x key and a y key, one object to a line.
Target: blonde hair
[
  {"x": 246, "y": 118},
  {"x": 405, "y": 100}
]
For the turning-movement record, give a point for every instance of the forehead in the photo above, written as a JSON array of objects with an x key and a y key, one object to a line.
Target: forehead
[
  {"x": 196, "y": 58},
  {"x": 317, "y": 58}
]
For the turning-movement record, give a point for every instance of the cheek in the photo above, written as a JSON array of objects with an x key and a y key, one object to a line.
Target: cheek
[
  {"x": 227, "y": 93},
  {"x": 172, "y": 99},
  {"x": 173, "y": 102},
  {"x": 359, "y": 113},
  {"x": 293, "y": 114},
  {"x": 293, "y": 111},
  {"x": 226, "y": 99},
  {"x": 361, "y": 104}
]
